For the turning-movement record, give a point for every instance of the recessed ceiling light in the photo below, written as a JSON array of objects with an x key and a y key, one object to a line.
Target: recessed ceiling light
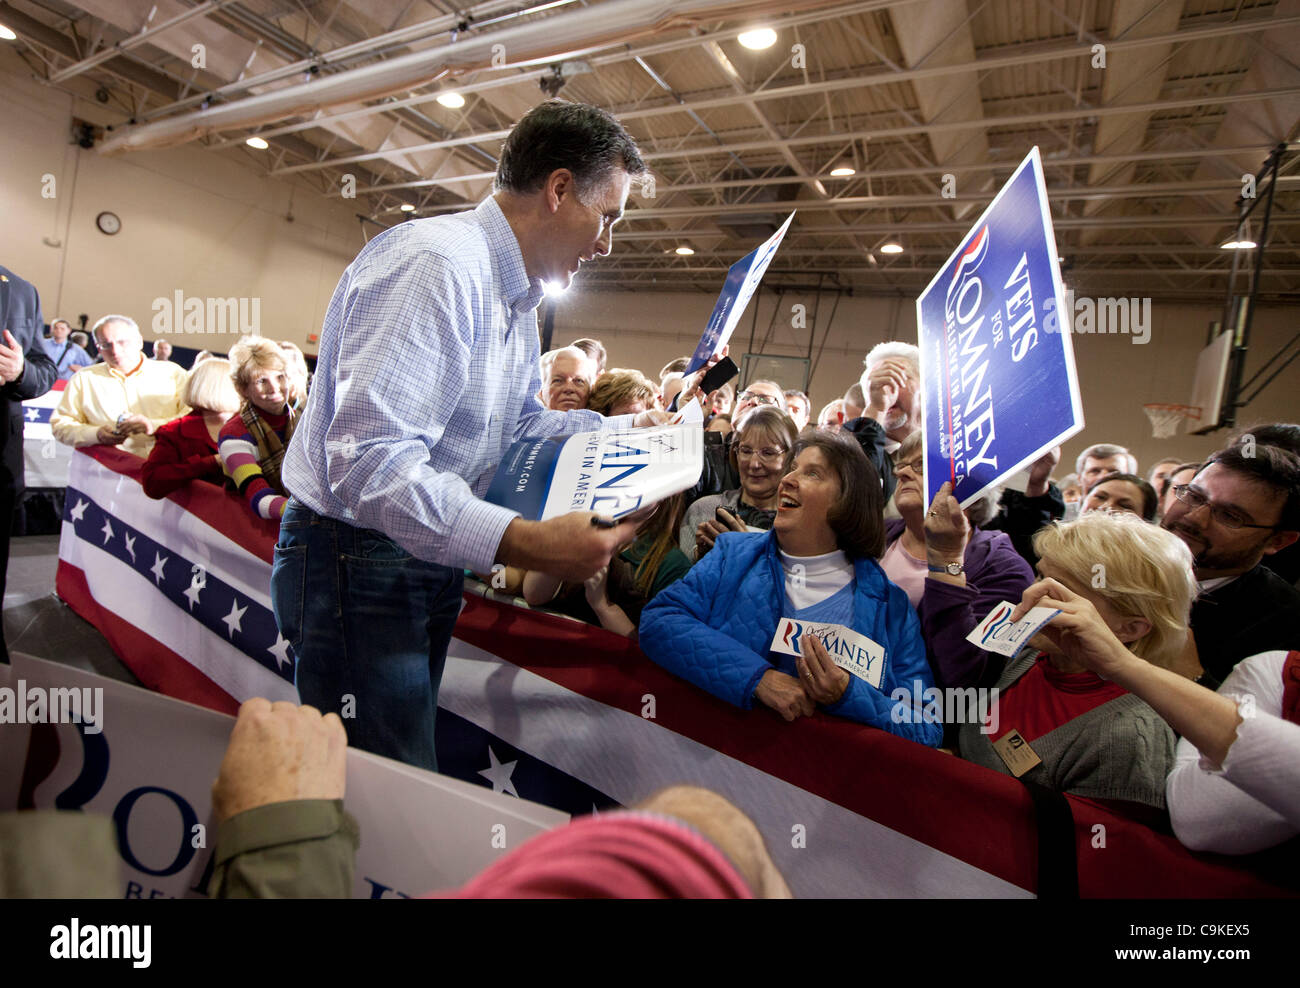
[
  {"x": 891, "y": 248},
  {"x": 257, "y": 142},
  {"x": 406, "y": 207},
  {"x": 452, "y": 101},
  {"x": 685, "y": 251},
  {"x": 758, "y": 39},
  {"x": 843, "y": 171},
  {"x": 7, "y": 33},
  {"x": 1239, "y": 245}
]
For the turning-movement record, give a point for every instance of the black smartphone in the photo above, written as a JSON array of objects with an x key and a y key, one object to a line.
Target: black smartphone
[{"x": 721, "y": 372}]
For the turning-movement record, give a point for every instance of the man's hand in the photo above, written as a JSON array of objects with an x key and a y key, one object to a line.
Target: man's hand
[
  {"x": 887, "y": 380},
  {"x": 569, "y": 546},
  {"x": 109, "y": 437},
  {"x": 821, "y": 678},
  {"x": 280, "y": 752},
  {"x": 1040, "y": 470},
  {"x": 691, "y": 386},
  {"x": 130, "y": 425},
  {"x": 11, "y": 359},
  {"x": 785, "y": 695}
]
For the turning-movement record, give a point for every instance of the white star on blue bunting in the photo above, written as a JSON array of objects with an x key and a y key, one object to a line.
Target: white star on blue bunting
[{"x": 499, "y": 774}]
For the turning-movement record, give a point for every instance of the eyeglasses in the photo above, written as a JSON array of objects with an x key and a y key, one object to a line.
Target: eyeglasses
[
  {"x": 769, "y": 454},
  {"x": 758, "y": 398},
  {"x": 915, "y": 464},
  {"x": 1226, "y": 517}
]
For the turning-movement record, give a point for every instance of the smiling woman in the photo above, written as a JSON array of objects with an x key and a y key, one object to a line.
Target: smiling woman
[
  {"x": 761, "y": 452},
  {"x": 252, "y": 444},
  {"x": 815, "y": 576}
]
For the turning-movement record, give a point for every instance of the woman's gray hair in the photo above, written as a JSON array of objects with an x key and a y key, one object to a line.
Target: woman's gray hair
[
  {"x": 980, "y": 511},
  {"x": 771, "y": 421}
]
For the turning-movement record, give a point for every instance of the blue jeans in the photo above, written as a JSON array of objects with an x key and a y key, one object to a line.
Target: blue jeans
[{"x": 369, "y": 624}]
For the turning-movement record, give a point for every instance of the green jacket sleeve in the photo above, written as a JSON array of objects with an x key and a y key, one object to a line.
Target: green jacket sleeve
[{"x": 300, "y": 849}]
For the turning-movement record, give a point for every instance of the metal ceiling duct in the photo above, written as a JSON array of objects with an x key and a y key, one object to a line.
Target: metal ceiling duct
[{"x": 553, "y": 39}]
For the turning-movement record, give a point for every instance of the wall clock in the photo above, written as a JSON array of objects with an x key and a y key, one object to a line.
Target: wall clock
[{"x": 108, "y": 223}]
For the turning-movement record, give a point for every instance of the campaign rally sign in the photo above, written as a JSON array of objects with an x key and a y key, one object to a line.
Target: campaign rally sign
[
  {"x": 151, "y": 766},
  {"x": 855, "y": 653},
  {"x": 611, "y": 473},
  {"x": 742, "y": 281},
  {"x": 997, "y": 371}
]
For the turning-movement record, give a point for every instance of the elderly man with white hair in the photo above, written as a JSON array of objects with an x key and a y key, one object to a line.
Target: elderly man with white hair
[
  {"x": 122, "y": 401},
  {"x": 567, "y": 376}
]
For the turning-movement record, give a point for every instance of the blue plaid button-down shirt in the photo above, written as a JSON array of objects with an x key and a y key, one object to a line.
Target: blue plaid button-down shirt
[{"x": 427, "y": 372}]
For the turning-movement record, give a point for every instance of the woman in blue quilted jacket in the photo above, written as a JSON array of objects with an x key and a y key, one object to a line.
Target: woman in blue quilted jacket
[{"x": 802, "y": 618}]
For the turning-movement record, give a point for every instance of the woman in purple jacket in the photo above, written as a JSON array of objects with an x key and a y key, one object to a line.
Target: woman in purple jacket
[{"x": 954, "y": 573}]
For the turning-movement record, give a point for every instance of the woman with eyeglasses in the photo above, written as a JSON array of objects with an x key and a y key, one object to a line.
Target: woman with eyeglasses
[
  {"x": 760, "y": 453},
  {"x": 723, "y": 626},
  {"x": 953, "y": 571},
  {"x": 719, "y": 473}
]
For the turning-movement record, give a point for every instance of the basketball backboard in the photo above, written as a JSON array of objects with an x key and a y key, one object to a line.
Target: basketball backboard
[{"x": 1208, "y": 388}]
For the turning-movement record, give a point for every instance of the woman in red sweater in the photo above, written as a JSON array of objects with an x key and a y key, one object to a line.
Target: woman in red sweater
[{"x": 185, "y": 449}]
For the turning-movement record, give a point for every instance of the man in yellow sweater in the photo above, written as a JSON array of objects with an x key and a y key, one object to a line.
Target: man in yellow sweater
[{"x": 122, "y": 401}]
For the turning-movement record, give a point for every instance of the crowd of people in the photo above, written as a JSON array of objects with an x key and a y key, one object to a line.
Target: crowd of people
[
  {"x": 1189, "y": 569},
  {"x": 1169, "y": 586},
  {"x": 225, "y": 421}
]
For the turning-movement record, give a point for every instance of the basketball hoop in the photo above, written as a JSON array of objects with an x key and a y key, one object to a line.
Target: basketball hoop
[{"x": 1165, "y": 418}]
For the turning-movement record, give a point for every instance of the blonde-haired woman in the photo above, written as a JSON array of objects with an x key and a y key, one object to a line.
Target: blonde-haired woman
[
  {"x": 621, "y": 392},
  {"x": 185, "y": 449},
  {"x": 1058, "y": 724},
  {"x": 253, "y": 442}
]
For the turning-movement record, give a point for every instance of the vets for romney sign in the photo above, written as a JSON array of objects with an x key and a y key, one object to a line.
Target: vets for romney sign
[
  {"x": 742, "y": 281},
  {"x": 997, "y": 372},
  {"x": 151, "y": 766},
  {"x": 610, "y": 473}
]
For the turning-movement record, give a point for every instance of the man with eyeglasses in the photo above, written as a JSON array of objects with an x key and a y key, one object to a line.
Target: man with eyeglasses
[{"x": 1243, "y": 505}]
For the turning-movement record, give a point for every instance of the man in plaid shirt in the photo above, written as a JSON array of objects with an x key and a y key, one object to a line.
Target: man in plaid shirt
[{"x": 427, "y": 373}]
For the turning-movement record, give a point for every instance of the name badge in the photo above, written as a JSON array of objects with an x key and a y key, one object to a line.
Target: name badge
[
  {"x": 856, "y": 654},
  {"x": 1015, "y": 753},
  {"x": 998, "y": 633}
]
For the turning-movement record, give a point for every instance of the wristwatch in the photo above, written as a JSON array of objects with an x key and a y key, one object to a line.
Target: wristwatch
[{"x": 952, "y": 569}]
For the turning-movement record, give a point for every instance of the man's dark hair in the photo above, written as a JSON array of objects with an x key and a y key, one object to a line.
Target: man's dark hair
[
  {"x": 1150, "y": 503},
  {"x": 858, "y": 518},
  {"x": 1272, "y": 465},
  {"x": 1284, "y": 434},
  {"x": 559, "y": 134},
  {"x": 1168, "y": 482}
]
